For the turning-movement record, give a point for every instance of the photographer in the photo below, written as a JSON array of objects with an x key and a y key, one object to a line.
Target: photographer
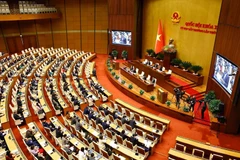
[{"x": 192, "y": 103}]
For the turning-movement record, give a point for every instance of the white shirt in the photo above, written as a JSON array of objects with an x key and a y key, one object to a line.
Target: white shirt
[{"x": 81, "y": 155}]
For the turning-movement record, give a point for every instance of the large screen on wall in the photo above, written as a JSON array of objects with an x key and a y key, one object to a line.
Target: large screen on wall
[
  {"x": 224, "y": 73},
  {"x": 122, "y": 37}
]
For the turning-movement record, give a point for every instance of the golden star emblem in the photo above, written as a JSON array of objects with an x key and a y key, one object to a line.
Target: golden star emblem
[{"x": 158, "y": 37}]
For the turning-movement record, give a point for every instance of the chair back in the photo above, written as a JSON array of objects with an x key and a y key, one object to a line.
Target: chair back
[
  {"x": 119, "y": 139},
  {"x": 180, "y": 147}
]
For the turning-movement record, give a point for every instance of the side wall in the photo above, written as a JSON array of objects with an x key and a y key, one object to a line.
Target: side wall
[
  {"x": 195, "y": 47},
  {"x": 83, "y": 26}
]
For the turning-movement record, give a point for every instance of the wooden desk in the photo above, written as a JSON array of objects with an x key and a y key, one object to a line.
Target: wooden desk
[
  {"x": 118, "y": 147},
  {"x": 13, "y": 145},
  {"x": 73, "y": 140},
  {"x": 144, "y": 113},
  {"x": 56, "y": 155},
  {"x": 110, "y": 96},
  {"x": 163, "y": 79},
  {"x": 173, "y": 153},
  {"x": 208, "y": 149},
  {"x": 140, "y": 83}
]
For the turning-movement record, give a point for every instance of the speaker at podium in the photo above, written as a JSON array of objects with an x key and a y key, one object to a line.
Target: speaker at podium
[{"x": 162, "y": 96}]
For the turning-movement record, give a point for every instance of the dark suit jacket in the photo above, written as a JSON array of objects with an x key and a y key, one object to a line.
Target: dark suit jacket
[
  {"x": 105, "y": 125},
  {"x": 58, "y": 133},
  {"x": 132, "y": 123},
  {"x": 16, "y": 116}
]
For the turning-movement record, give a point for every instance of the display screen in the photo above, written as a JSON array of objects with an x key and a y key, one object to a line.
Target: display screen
[
  {"x": 224, "y": 73},
  {"x": 121, "y": 37}
]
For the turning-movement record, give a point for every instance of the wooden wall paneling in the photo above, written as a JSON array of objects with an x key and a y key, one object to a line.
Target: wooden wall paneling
[
  {"x": 101, "y": 26},
  {"x": 44, "y": 33},
  {"x": 227, "y": 44},
  {"x": 73, "y": 24},
  {"x": 29, "y": 41},
  {"x": 59, "y": 25},
  {"x": 15, "y": 44},
  {"x": 229, "y": 12},
  {"x": 10, "y": 29},
  {"x": 113, "y": 7},
  {"x": 123, "y": 7},
  {"x": 87, "y": 25},
  {"x": 3, "y": 43}
]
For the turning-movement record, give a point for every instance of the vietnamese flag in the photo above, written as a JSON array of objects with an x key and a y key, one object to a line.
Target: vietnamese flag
[{"x": 159, "y": 39}]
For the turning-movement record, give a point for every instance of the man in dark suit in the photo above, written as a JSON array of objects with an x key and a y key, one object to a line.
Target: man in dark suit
[
  {"x": 115, "y": 116},
  {"x": 86, "y": 110},
  {"x": 59, "y": 133},
  {"x": 124, "y": 119},
  {"x": 134, "y": 140},
  {"x": 105, "y": 125},
  {"x": 123, "y": 135},
  {"x": 203, "y": 109},
  {"x": 132, "y": 123},
  {"x": 98, "y": 120},
  {"x": 16, "y": 116},
  {"x": 192, "y": 103},
  {"x": 106, "y": 111},
  {"x": 91, "y": 115}
]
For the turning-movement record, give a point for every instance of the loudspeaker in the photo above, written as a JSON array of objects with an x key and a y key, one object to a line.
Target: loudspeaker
[{"x": 221, "y": 108}]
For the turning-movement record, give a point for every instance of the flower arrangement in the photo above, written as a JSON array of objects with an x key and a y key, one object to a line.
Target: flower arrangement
[
  {"x": 185, "y": 109},
  {"x": 115, "y": 53},
  {"x": 141, "y": 92},
  {"x": 113, "y": 73}
]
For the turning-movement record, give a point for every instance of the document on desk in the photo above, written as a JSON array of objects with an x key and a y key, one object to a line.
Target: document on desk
[{"x": 112, "y": 143}]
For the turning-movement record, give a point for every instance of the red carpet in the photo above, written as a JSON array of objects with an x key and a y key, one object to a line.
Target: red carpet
[{"x": 190, "y": 91}]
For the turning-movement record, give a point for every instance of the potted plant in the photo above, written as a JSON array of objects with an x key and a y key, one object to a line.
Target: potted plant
[
  {"x": 160, "y": 56},
  {"x": 150, "y": 51},
  {"x": 116, "y": 77},
  {"x": 123, "y": 82},
  {"x": 168, "y": 103},
  {"x": 152, "y": 98},
  {"x": 115, "y": 54},
  {"x": 124, "y": 54},
  {"x": 185, "y": 109},
  {"x": 196, "y": 69},
  {"x": 214, "y": 106},
  {"x": 209, "y": 96},
  {"x": 176, "y": 62},
  {"x": 113, "y": 73},
  {"x": 186, "y": 65},
  {"x": 141, "y": 92},
  {"x": 130, "y": 86}
]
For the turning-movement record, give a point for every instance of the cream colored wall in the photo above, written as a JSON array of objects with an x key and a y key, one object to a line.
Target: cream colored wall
[{"x": 192, "y": 46}]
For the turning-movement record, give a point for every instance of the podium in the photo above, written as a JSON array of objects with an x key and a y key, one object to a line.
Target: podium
[
  {"x": 115, "y": 65},
  {"x": 162, "y": 96}
]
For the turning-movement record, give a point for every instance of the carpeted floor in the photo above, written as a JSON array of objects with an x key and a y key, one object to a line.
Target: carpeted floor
[{"x": 177, "y": 128}]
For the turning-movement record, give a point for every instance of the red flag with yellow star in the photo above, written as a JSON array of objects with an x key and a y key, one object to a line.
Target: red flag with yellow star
[{"x": 159, "y": 39}]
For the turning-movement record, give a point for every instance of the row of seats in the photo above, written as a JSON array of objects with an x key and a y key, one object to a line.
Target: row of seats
[
  {"x": 31, "y": 7},
  {"x": 195, "y": 149}
]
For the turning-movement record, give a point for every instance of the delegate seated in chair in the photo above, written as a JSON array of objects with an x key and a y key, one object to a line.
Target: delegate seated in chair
[{"x": 145, "y": 62}]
